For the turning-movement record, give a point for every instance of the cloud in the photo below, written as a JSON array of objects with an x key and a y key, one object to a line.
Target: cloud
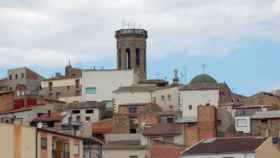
[{"x": 49, "y": 32}]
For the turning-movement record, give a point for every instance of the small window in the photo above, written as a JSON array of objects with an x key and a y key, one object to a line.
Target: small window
[
  {"x": 89, "y": 111},
  {"x": 190, "y": 107},
  {"x": 169, "y": 97},
  {"x": 10, "y": 88},
  {"x": 16, "y": 76},
  {"x": 264, "y": 121},
  {"x": 78, "y": 118},
  {"x": 132, "y": 109},
  {"x": 88, "y": 118},
  {"x": 76, "y": 149},
  {"x": 75, "y": 111},
  {"x": 44, "y": 143},
  {"x": 162, "y": 97},
  {"x": 68, "y": 88},
  {"x": 170, "y": 107},
  {"x": 133, "y": 156},
  {"x": 22, "y": 75},
  {"x": 50, "y": 86},
  {"x": 170, "y": 120},
  {"x": 78, "y": 92},
  {"x": 57, "y": 94},
  {"x": 77, "y": 83},
  {"x": 91, "y": 90},
  {"x": 10, "y": 77}
]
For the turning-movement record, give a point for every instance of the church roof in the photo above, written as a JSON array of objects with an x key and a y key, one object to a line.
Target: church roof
[{"x": 202, "y": 82}]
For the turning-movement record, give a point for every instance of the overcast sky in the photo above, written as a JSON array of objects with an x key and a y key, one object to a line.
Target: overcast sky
[{"x": 237, "y": 40}]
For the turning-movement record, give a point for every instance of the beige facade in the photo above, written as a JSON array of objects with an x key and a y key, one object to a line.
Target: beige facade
[
  {"x": 17, "y": 141},
  {"x": 65, "y": 89},
  {"x": 268, "y": 149}
]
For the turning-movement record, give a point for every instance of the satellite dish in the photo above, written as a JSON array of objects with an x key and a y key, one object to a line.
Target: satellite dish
[{"x": 40, "y": 125}]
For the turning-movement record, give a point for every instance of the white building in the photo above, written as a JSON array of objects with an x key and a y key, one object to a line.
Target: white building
[
  {"x": 243, "y": 147},
  {"x": 98, "y": 85},
  {"x": 202, "y": 90}
]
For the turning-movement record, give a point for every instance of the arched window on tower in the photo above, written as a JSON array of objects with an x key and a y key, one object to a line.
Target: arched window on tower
[
  {"x": 137, "y": 56},
  {"x": 128, "y": 58},
  {"x": 119, "y": 59}
]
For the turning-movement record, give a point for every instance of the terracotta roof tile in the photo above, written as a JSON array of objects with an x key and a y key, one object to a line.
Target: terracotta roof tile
[{"x": 163, "y": 129}]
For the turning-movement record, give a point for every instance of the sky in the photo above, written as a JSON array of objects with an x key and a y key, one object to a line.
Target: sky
[{"x": 238, "y": 41}]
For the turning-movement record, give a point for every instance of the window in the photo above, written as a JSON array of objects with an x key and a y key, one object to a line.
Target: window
[
  {"x": 264, "y": 121},
  {"x": 10, "y": 88},
  {"x": 170, "y": 120},
  {"x": 133, "y": 156},
  {"x": 89, "y": 111},
  {"x": 57, "y": 94},
  {"x": 68, "y": 88},
  {"x": 44, "y": 143},
  {"x": 87, "y": 118},
  {"x": 133, "y": 124},
  {"x": 162, "y": 97},
  {"x": 22, "y": 75},
  {"x": 91, "y": 90},
  {"x": 169, "y": 97},
  {"x": 76, "y": 149},
  {"x": 190, "y": 107},
  {"x": 78, "y": 118},
  {"x": 132, "y": 109},
  {"x": 128, "y": 58},
  {"x": 75, "y": 111},
  {"x": 50, "y": 86},
  {"x": 137, "y": 56},
  {"x": 77, "y": 83},
  {"x": 78, "y": 93},
  {"x": 242, "y": 123},
  {"x": 171, "y": 107},
  {"x": 119, "y": 59},
  {"x": 10, "y": 77}
]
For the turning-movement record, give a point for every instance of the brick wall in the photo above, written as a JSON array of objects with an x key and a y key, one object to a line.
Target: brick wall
[
  {"x": 191, "y": 134},
  {"x": 6, "y": 101},
  {"x": 207, "y": 121}
]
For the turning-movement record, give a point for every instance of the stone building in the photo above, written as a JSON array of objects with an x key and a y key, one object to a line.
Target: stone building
[
  {"x": 65, "y": 88},
  {"x": 131, "y": 50},
  {"x": 266, "y": 123}
]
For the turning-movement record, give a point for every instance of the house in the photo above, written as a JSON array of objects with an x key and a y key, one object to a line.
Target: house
[
  {"x": 84, "y": 112},
  {"x": 98, "y": 85},
  {"x": 266, "y": 123},
  {"x": 25, "y": 115},
  {"x": 132, "y": 118},
  {"x": 243, "y": 117},
  {"x": 167, "y": 97},
  {"x": 167, "y": 133},
  {"x": 23, "y": 141},
  {"x": 234, "y": 147}
]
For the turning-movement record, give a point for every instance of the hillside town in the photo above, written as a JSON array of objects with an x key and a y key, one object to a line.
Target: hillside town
[{"x": 121, "y": 113}]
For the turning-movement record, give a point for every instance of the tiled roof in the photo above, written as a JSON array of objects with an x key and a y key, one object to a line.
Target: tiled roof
[
  {"x": 102, "y": 127},
  {"x": 54, "y": 116},
  {"x": 202, "y": 82},
  {"x": 88, "y": 104},
  {"x": 124, "y": 144},
  {"x": 225, "y": 145},
  {"x": 163, "y": 130},
  {"x": 164, "y": 151},
  {"x": 136, "y": 89},
  {"x": 266, "y": 114}
]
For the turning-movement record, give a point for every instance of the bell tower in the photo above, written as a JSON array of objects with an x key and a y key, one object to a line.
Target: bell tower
[{"x": 131, "y": 50}]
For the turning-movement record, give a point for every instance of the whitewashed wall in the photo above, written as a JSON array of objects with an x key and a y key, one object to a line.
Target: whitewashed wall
[{"x": 196, "y": 98}]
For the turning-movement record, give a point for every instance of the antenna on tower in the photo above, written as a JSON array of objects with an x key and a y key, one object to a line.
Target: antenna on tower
[{"x": 203, "y": 68}]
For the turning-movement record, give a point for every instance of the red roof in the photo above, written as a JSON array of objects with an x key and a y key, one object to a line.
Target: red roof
[
  {"x": 102, "y": 127},
  {"x": 164, "y": 151},
  {"x": 54, "y": 116},
  {"x": 167, "y": 129}
]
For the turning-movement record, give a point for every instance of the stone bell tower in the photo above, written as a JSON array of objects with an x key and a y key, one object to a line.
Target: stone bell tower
[{"x": 131, "y": 50}]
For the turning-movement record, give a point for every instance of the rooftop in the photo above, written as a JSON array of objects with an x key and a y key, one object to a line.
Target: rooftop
[
  {"x": 225, "y": 145},
  {"x": 266, "y": 114},
  {"x": 163, "y": 129},
  {"x": 202, "y": 82}
]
